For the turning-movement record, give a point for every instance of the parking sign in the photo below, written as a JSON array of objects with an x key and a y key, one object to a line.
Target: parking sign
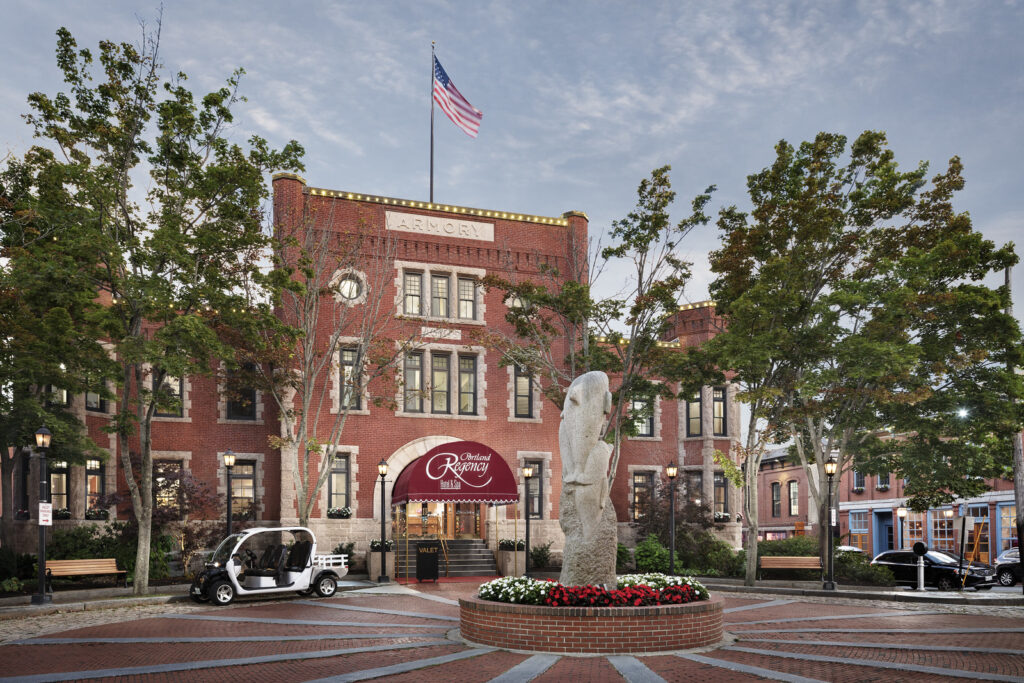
[{"x": 46, "y": 514}]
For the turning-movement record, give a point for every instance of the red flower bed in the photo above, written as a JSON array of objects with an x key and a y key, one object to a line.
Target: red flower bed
[{"x": 633, "y": 596}]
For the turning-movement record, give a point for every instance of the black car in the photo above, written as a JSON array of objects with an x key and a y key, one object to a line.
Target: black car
[
  {"x": 1008, "y": 567},
  {"x": 941, "y": 570}
]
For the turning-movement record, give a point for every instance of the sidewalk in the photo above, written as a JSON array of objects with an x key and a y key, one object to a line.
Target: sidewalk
[{"x": 892, "y": 594}]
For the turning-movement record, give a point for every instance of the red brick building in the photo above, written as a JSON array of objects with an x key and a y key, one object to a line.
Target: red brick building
[{"x": 453, "y": 389}]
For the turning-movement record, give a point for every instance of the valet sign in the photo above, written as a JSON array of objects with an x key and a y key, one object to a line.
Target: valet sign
[{"x": 453, "y": 471}]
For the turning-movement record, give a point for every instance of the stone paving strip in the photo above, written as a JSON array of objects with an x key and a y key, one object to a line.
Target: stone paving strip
[
  {"x": 889, "y": 646},
  {"x": 633, "y": 670},
  {"x": 404, "y": 667},
  {"x": 888, "y": 630},
  {"x": 296, "y": 622},
  {"x": 876, "y": 615},
  {"x": 209, "y": 664},
  {"x": 527, "y": 670},
  {"x": 747, "y": 669},
  {"x": 397, "y": 613},
  {"x": 762, "y": 605},
  {"x": 933, "y": 670},
  {"x": 231, "y": 639}
]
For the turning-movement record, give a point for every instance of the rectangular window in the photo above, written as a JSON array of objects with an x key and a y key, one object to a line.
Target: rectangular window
[
  {"x": 915, "y": 527},
  {"x": 776, "y": 499},
  {"x": 643, "y": 417},
  {"x": 414, "y": 383},
  {"x": 439, "y": 296},
  {"x": 693, "y": 416},
  {"x": 643, "y": 493},
  {"x": 942, "y": 531},
  {"x": 859, "y": 530},
  {"x": 95, "y": 403},
  {"x": 413, "y": 293},
  {"x": 523, "y": 382},
  {"x": 168, "y": 398},
  {"x": 883, "y": 481},
  {"x": 467, "y": 298},
  {"x": 167, "y": 485},
  {"x": 721, "y": 494},
  {"x": 243, "y": 406},
  {"x": 858, "y": 480},
  {"x": 94, "y": 483},
  {"x": 535, "y": 490},
  {"x": 794, "y": 499},
  {"x": 440, "y": 381},
  {"x": 467, "y": 385},
  {"x": 351, "y": 387},
  {"x": 57, "y": 397},
  {"x": 59, "y": 484},
  {"x": 718, "y": 421},
  {"x": 694, "y": 487},
  {"x": 243, "y": 490},
  {"x": 338, "y": 483},
  {"x": 1007, "y": 527},
  {"x": 979, "y": 540}
]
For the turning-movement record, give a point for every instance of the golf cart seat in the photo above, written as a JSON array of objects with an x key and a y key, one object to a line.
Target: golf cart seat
[
  {"x": 299, "y": 556},
  {"x": 269, "y": 562}
]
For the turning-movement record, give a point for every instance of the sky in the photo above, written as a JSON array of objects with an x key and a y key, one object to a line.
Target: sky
[{"x": 581, "y": 100}]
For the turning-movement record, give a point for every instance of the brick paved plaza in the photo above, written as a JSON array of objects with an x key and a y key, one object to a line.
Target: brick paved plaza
[{"x": 410, "y": 634}]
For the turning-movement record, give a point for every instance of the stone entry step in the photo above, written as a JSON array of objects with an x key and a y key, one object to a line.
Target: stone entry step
[{"x": 466, "y": 557}]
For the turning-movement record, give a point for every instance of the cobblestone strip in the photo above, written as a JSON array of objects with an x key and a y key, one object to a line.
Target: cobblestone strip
[
  {"x": 875, "y": 615},
  {"x": 437, "y": 598},
  {"x": 404, "y": 667},
  {"x": 208, "y": 664},
  {"x": 746, "y": 669},
  {"x": 230, "y": 639},
  {"x": 527, "y": 670},
  {"x": 374, "y": 610},
  {"x": 930, "y": 631},
  {"x": 890, "y": 646},
  {"x": 770, "y": 603},
  {"x": 633, "y": 670},
  {"x": 297, "y": 622},
  {"x": 934, "y": 670}
]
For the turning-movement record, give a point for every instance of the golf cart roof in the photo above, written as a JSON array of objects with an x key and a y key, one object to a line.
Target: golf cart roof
[{"x": 264, "y": 529}]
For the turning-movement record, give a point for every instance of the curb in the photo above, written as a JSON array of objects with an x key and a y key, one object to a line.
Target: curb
[
  {"x": 908, "y": 596},
  {"x": 86, "y": 606}
]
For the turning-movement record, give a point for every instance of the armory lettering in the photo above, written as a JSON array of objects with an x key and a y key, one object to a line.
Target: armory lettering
[{"x": 444, "y": 227}]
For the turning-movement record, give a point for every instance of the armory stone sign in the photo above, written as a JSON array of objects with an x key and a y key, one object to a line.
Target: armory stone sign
[{"x": 442, "y": 226}]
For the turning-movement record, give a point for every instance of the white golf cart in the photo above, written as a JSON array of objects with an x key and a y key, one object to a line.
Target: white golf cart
[{"x": 268, "y": 560}]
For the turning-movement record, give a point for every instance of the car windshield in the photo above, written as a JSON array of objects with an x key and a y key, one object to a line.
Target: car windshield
[
  {"x": 223, "y": 552},
  {"x": 942, "y": 557}
]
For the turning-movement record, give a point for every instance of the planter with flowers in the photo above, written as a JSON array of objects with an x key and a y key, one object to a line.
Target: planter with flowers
[
  {"x": 858, "y": 489},
  {"x": 62, "y": 513},
  {"x": 97, "y": 513},
  {"x": 373, "y": 559},
  {"x": 527, "y": 614},
  {"x": 882, "y": 487},
  {"x": 339, "y": 513},
  {"x": 511, "y": 557}
]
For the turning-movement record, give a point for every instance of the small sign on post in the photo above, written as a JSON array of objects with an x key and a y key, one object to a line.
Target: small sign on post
[{"x": 46, "y": 514}]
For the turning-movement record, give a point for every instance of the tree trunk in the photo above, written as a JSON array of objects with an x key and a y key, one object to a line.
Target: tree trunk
[
  {"x": 750, "y": 511},
  {"x": 140, "y": 586},
  {"x": 7, "y": 495}
]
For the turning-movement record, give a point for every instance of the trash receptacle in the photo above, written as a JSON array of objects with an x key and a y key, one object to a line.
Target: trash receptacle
[{"x": 426, "y": 560}]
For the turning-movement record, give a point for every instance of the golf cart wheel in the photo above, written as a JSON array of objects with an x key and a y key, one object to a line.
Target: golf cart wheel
[
  {"x": 944, "y": 583},
  {"x": 198, "y": 598},
  {"x": 222, "y": 593},
  {"x": 1006, "y": 577},
  {"x": 326, "y": 586}
]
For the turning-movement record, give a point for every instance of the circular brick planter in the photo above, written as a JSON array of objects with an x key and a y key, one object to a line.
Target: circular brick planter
[{"x": 591, "y": 630}]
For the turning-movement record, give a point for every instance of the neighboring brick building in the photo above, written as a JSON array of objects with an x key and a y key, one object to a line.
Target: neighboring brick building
[{"x": 442, "y": 253}]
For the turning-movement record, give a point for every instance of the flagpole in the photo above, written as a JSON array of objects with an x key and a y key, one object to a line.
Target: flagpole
[{"x": 432, "y": 58}]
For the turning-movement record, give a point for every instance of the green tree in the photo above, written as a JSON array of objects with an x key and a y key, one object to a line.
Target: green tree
[
  {"x": 173, "y": 211},
  {"x": 855, "y": 307}
]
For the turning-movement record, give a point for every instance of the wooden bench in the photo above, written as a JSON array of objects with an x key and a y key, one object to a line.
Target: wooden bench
[
  {"x": 786, "y": 562},
  {"x": 84, "y": 568}
]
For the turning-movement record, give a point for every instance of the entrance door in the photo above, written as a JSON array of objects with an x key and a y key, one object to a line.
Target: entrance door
[{"x": 466, "y": 520}]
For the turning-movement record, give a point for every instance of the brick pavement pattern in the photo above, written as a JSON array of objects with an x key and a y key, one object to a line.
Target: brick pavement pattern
[{"x": 411, "y": 635}]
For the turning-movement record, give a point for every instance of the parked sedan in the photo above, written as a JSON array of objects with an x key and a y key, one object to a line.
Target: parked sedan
[
  {"x": 1008, "y": 567},
  {"x": 941, "y": 570}
]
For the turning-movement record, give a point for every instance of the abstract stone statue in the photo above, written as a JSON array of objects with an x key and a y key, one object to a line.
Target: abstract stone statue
[{"x": 585, "y": 510}]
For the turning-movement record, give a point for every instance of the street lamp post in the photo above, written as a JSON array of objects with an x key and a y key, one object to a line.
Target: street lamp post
[
  {"x": 830, "y": 471},
  {"x": 671, "y": 470},
  {"x": 43, "y": 437},
  {"x": 229, "y": 463},
  {"x": 901, "y": 514},
  {"x": 382, "y": 577},
  {"x": 527, "y": 475}
]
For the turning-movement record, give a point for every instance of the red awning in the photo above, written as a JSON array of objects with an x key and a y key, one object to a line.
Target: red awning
[{"x": 457, "y": 472}]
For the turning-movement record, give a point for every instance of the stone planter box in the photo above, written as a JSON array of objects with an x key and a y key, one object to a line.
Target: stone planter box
[
  {"x": 373, "y": 564},
  {"x": 591, "y": 630},
  {"x": 511, "y": 562}
]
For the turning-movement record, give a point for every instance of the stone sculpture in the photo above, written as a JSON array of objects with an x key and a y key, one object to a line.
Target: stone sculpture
[{"x": 585, "y": 510}]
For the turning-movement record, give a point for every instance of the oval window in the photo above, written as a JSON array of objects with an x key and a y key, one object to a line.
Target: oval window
[{"x": 350, "y": 287}]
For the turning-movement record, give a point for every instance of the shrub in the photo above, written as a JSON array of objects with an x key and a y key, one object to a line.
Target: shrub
[
  {"x": 540, "y": 555},
  {"x": 857, "y": 568},
  {"x": 117, "y": 540},
  {"x": 11, "y": 585},
  {"x": 389, "y": 544},
  {"x": 344, "y": 549},
  {"x": 511, "y": 544},
  {"x": 623, "y": 558},
  {"x": 794, "y": 546},
  {"x": 651, "y": 555},
  {"x": 16, "y": 565}
]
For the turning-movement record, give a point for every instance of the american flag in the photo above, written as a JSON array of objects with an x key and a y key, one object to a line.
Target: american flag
[{"x": 459, "y": 110}]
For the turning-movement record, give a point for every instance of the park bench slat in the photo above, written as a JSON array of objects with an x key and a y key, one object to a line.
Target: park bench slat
[
  {"x": 84, "y": 567},
  {"x": 784, "y": 562}
]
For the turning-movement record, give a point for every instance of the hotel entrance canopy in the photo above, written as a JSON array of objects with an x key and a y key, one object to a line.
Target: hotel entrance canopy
[{"x": 458, "y": 472}]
